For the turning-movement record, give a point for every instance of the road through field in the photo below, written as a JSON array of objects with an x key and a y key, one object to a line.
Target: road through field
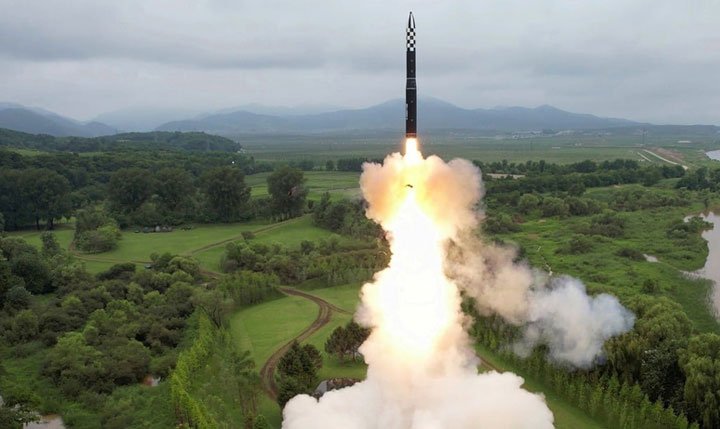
[{"x": 325, "y": 309}]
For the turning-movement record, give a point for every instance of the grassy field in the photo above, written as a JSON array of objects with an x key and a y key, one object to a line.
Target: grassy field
[
  {"x": 204, "y": 242},
  {"x": 63, "y": 232},
  {"x": 289, "y": 233},
  {"x": 603, "y": 270},
  {"x": 559, "y": 149},
  {"x": 264, "y": 328},
  {"x": 339, "y": 184}
]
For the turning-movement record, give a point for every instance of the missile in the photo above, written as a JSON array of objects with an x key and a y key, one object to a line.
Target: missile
[{"x": 410, "y": 86}]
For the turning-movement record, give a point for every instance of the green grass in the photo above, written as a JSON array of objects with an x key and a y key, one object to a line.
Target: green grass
[
  {"x": 338, "y": 184},
  {"x": 63, "y": 232},
  {"x": 558, "y": 149},
  {"x": 138, "y": 246},
  {"x": 264, "y": 328},
  {"x": 289, "y": 234},
  {"x": 345, "y": 296},
  {"x": 602, "y": 270}
]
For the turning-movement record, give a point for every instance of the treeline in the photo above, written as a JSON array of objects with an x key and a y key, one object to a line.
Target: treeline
[
  {"x": 189, "y": 410},
  {"x": 327, "y": 262},
  {"x": 602, "y": 392},
  {"x": 345, "y": 217},
  {"x": 574, "y": 179},
  {"x": 701, "y": 179},
  {"x": 136, "y": 191},
  {"x": 532, "y": 168},
  {"x": 156, "y": 140}
]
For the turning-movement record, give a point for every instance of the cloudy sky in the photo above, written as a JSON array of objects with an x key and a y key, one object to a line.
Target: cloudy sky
[{"x": 653, "y": 61}]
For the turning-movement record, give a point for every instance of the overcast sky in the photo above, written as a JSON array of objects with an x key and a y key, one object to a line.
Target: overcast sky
[{"x": 655, "y": 61}]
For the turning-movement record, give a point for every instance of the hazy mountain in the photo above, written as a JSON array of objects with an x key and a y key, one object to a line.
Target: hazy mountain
[
  {"x": 433, "y": 114},
  {"x": 39, "y": 121},
  {"x": 262, "y": 109},
  {"x": 143, "y": 118}
]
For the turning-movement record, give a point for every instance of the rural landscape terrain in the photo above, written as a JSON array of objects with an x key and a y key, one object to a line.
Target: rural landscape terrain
[
  {"x": 165, "y": 278},
  {"x": 359, "y": 215}
]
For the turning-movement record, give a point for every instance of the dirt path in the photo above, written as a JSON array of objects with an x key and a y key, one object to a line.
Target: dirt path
[
  {"x": 260, "y": 230},
  {"x": 325, "y": 309},
  {"x": 665, "y": 159}
]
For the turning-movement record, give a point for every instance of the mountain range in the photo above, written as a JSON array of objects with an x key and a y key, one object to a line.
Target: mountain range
[
  {"x": 39, "y": 121},
  {"x": 434, "y": 116}
]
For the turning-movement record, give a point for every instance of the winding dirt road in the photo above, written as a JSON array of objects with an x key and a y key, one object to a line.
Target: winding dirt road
[{"x": 325, "y": 309}]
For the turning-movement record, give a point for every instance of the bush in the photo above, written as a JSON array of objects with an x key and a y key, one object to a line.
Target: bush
[
  {"x": 118, "y": 271},
  {"x": 629, "y": 253}
]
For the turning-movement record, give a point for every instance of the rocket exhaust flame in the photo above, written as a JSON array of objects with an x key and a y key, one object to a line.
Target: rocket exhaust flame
[{"x": 422, "y": 371}]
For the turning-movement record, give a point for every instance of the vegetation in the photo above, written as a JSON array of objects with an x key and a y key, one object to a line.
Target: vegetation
[
  {"x": 92, "y": 302},
  {"x": 192, "y": 142},
  {"x": 297, "y": 371}
]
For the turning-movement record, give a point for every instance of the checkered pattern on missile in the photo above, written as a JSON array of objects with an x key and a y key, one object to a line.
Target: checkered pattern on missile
[{"x": 411, "y": 39}]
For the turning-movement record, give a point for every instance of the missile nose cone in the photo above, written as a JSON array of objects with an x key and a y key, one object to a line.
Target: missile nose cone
[{"x": 411, "y": 21}]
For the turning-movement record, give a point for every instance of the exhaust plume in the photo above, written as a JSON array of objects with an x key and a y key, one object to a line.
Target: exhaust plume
[
  {"x": 422, "y": 371},
  {"x": 556, "y": 312}
]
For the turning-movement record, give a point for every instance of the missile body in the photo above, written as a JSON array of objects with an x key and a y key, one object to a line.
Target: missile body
[{"x": 410, "y": 85}]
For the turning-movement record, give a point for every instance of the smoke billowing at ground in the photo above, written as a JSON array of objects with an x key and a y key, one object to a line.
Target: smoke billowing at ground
[{"x": 422, "y": 371}]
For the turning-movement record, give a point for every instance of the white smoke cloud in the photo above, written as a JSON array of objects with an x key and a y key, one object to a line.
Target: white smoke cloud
[
  {"x": 573, "y": 325},
  {"x": 422, "y": 371},
  {"x": 556, "y": 312}
]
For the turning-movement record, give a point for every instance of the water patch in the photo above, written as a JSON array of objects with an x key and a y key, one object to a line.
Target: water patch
[{"x": 711, "y": 270}]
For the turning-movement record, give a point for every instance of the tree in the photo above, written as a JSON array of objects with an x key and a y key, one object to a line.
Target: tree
[
  {"x": 34, "y": 271},
  {"x": 345, "y": 341},
  {"x": 75, "y": 366},
  {"x": 24, "y": 327},
  {"x": 648, "y": 354},
  {"x": 248, "y": 384},
  {"x": 95, "y": 230},
  {"x": 700, "y": 362},
  {"x": 528, "y": 203},
  {"x": 17, "y": 298},
  {"x": 552, "y": 206},
  {"x": 330, "y": 165},
  {"x": 297, "y": 370},
  {"x": 47, "y": 195},
  {"x": 215, "y": 305},
  {"x": 129, "y": 188},
  {"x": 50, "y": 245},
  {"x": 287, "y": 193},
  {"x": 226, "y": 193},
  {"x": 13, "y": 204},
  {"x": 174, "y": 188}
]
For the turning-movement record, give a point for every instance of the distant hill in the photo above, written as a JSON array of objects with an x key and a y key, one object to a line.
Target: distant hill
[
  {"x": 140, "y": 119},
  {"x": 38, "y": 121},
  {"x": 192, "y": 142},
  {"x": 433, "y": 114}
]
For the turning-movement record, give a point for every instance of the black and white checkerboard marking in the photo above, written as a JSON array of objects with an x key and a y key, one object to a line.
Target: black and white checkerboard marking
[{"x": 410, "y": 39}]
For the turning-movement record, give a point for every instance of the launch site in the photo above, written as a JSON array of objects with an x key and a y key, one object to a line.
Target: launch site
[{"x": 322, "y": 215}]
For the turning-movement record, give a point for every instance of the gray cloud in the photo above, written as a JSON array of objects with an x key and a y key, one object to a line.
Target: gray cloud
[{"x": 645, "y": 60}]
